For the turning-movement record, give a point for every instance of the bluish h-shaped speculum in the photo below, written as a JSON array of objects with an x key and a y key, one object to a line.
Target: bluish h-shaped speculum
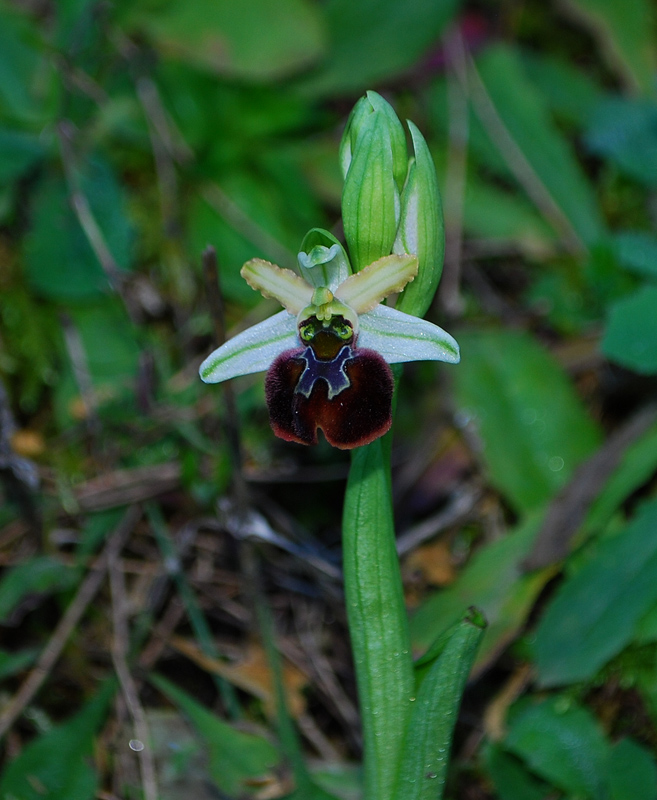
[{"x": 333, "y": 372}]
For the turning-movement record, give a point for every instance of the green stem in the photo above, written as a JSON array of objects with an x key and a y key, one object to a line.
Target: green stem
[{"x": 377, "y": 617}]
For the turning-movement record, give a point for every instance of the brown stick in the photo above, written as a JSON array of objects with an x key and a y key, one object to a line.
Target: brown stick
[{"x": 85, "y": 594}]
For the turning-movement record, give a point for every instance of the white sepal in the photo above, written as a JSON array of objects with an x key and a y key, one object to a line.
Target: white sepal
[
  {"x": 399, "y": 337},
  {"x": 253, "y": 350}
]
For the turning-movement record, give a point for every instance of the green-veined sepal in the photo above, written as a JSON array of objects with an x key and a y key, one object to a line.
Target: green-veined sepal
[
  {"x": 253, "y": 350},
  {"x": 400, "y": 337}
]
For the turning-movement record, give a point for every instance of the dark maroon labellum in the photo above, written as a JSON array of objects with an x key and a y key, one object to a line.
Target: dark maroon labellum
[{"x": 349, "y": 396}]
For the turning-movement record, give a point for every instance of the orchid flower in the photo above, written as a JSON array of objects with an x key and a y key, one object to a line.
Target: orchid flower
[{"x": 327, "y": 353}]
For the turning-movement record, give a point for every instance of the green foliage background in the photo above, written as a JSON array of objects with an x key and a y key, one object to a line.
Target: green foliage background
[{"x": 133, "y": 134}]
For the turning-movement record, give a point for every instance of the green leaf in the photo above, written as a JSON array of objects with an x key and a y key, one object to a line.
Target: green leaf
[
  {"x": 57, "y": 765},
  {"x": 372, "y": 40},
  {"x": 492, "y": 581},
  {"x": 12, "y": 663},
  {"x": 570, "y": 92},
  {"x": 630, "y": 337},
  {"x": 624, "y": 131},
  {"x": 631, "y": 772},
  {"x": 495, "y": 214},
  {"x": 257, "y": 40},
  {"x": 524, "y": 115},
  {"x": 27, "y": 85},
  {"x": 562, "y": 743},
  {"x": 594, "y": 613},
  {"x": 235, "y": 756},
  {"x": 377, "y": 617},
  {"x": 427, "y": 744},
  {"x": 59, "y": 261},
  {"x": 637, "y": 466},
  {"x": 38, "y": 575},
  {"x": 511, "y": 779},
  {"x": 19, "y": 152},
  {"x": 637, "y": 252},
  {"x": 533, "y": 427},
  {"x": 625, "y": 35}
]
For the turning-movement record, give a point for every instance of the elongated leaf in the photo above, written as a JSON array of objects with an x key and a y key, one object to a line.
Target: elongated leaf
[
  {"x": 562, "y": 743},
  {"x": 570, "y": 92},
  {"x": 235, "y": 757},
  {"x": 630, "y": 338},
  {"x": 494, "y": 582},
  {"x": 428, "y": 741},
  {"x": 377, "y": 617},
  {"x": 60, "y": 263},
  {"x": 375, "y": 39},
  {"x": 57, "y": 765},
  {"x": 594, "y": 613},
  {"x": 625, "y": 34},
  {"x": 257, "y": 40},
  {"x": 524, "y": 114},
  {"x": 533, "y": 427}
]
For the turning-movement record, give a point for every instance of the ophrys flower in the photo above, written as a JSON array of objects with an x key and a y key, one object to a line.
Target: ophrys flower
[{"x": 327, "y": 353}]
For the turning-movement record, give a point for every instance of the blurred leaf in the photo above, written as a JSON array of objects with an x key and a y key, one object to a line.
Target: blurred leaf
[
  {"x": 511, "y": 779},
  {"x": 258, "y": 40},
  {"x": 646, "y": 628},
  {"x": 57, "y": 764},
  {"x": 12, "y": 663},
  {"x": 26, "y": 77},
  {"x": 525, "y": 116},
  {"x": 625, "y": 33},
  {"x": 40, "y": 575},
  {"x": 570, "y": 92},
  {"x": 625, "y": 132},
  {"x": 637, "y": 252},
  {"x": 235, "y": 757},
  {"x": 492, "y": 213},
  {"x": 19, "y": 152},
  {"x": 637, "y": 466},
  {"x": 60, "y": 263},
  {"x": 374, "y": 40},
  {"x": 109, "y": 341},
  {"x": 562, "y": 743},
  {"x": 593, "y": 614},
  {"x": 492, "y": 581},
  {"x": 342, "y": 780},
  {"x": 631, "y": 772},
  {"x": 533, "y": 427},
  {"x": 630, "y": 337}
]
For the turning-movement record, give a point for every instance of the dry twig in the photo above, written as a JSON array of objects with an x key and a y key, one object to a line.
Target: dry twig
[{"x": 85, "y": 594}]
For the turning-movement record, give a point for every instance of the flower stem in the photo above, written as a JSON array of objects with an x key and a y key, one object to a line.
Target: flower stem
[{"x": 377, "y": 617}]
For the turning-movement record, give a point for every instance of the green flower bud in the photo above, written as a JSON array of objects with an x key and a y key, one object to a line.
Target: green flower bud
[
  {"x": 373, "y": 103},
  {"x": 370, "y": 198},
  {"x": 421, "y": 229}
]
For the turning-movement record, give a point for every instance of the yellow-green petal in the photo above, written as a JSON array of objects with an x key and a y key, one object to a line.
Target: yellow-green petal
[
  {"x": 291, "y": 291},
  {"x": 366, "y": 289}
]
